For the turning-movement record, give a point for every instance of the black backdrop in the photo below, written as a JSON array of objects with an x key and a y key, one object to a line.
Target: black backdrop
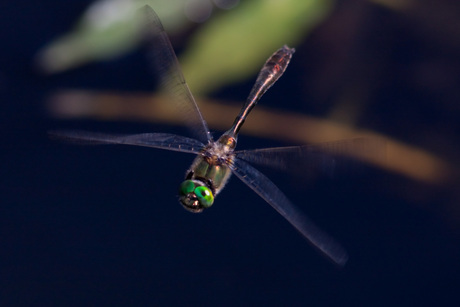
[{"x": 101, "y": 225}]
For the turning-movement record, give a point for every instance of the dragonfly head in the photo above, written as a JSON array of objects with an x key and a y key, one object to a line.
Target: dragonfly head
[{"x": 195, "y": 196}]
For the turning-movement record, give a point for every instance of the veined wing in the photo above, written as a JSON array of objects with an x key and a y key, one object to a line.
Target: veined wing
[
  {"x": 272, "y": 195},
  {"x": 156, "y": 140},
  {"x": 327, "y": 157},
  {"x": 167, "y": 67}
]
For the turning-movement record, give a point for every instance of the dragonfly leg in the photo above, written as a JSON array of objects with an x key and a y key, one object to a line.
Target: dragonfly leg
[
  {"x": 189, "y": 175},
  {"x": 211, "y": 186}
]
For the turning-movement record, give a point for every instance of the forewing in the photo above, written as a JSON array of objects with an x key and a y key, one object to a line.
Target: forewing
[
  {"x": 272, "y": 195},
  {"x": 342, "y": 157},
  {"x": 156, "y": 140},
  {"x": 172, "y": 81}
]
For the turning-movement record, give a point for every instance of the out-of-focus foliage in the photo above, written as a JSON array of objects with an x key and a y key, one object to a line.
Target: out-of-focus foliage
[
  {"x": 107, "y": 29},
  {"x": 227, "y": 48},
  {"x": 236, "y": 45}
]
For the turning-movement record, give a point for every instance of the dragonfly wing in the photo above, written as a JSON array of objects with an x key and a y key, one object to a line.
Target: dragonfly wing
[
  {"x": 330, "y": 158},
  {"x": 156, "y": 140},
  {"x": 167, "y": 67},
  {"x": 272, "y": 195}
]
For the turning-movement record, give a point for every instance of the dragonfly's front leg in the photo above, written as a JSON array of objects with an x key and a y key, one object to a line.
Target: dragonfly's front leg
[{"x": 189, "y": 175}]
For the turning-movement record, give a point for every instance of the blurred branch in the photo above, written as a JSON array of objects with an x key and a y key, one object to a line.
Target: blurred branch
[
  {"x": 410, "y": 161},
  {"x": 395, "y": 4}
]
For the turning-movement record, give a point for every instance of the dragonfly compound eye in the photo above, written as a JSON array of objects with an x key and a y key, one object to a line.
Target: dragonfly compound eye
[
  {"x": 186, "y": 187},
  {"x": 195, "y": 196},
  {"x": 204, "y": 196}
]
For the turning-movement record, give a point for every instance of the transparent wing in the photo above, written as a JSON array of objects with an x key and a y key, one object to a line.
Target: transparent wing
[
  {"x": 272, "y": 195},
  {"x": 167, "y": 67},
  {"x": 329, "y": 157},
  {"x": 156, "y": 140}
]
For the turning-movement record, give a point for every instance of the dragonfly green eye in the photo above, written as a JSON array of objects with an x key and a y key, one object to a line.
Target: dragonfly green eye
[
  {"x": 186, "y": 187},
  {"x": 205, "y": 196},
  {"x": 195, "y": 196}
]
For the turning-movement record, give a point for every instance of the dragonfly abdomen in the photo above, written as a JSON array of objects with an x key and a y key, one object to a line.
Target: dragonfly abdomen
[{"x": 272, "y": 70}]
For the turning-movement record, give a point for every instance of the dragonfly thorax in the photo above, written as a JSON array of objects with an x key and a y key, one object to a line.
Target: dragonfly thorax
[{"x": 207, "y": 175}]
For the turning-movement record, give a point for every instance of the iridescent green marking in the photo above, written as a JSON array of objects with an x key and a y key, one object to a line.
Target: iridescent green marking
[
  {"x": 195, "y": 196},
  {"x": 186, "y": 187},
  {"x": 204, "y": 196}
]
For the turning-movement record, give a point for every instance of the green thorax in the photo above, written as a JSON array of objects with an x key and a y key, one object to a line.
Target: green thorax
[{"x": 211, "y": 166}]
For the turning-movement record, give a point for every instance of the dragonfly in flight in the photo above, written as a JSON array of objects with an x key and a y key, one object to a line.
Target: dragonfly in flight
[{"x": 216, "y": 160}]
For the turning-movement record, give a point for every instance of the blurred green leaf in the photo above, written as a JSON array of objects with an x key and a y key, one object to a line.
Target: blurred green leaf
[
  {"x": 108, "y": 28},
  {"x": 236, "y": 44},
  {"x": 228, "y": 48}
]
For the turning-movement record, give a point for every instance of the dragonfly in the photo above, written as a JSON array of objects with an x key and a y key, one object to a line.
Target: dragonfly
[{"x": 215, "y": 161}]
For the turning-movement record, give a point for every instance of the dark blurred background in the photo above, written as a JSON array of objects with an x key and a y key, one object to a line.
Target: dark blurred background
[{"x": 101, "y": 225}]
